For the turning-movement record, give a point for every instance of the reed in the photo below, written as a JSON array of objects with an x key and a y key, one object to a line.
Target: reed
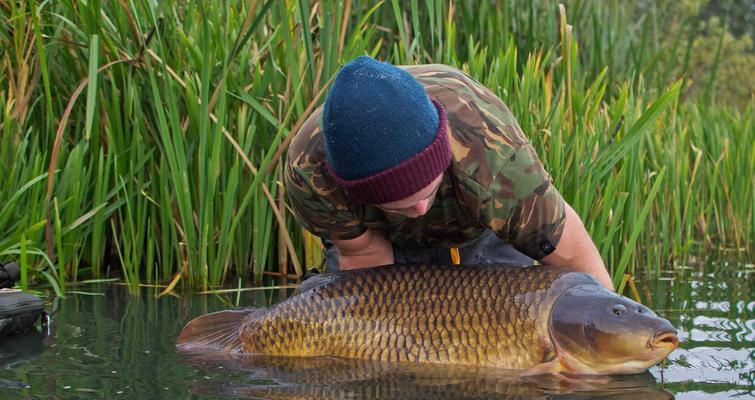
[{"x": 144, "y": 140}]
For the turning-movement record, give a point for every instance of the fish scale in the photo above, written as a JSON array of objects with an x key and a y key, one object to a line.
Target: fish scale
[
  {"x": 488, "y": 316},
  {"x": 540, "y": 319}
]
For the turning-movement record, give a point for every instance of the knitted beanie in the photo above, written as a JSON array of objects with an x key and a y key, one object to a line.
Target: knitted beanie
[{"x": 384, "y": 138}]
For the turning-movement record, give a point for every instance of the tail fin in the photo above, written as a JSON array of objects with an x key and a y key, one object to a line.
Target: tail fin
[{"x": 218, "y": 331}]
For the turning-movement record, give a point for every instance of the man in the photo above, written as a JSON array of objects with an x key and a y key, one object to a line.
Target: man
[{"x": 403, "y": 164}]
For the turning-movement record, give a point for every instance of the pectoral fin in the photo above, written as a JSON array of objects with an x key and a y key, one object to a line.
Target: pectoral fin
[{"x": 548, "y": 367}]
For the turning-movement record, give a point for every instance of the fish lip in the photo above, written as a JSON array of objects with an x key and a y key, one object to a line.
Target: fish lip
[{"x": 663, "y": 339}]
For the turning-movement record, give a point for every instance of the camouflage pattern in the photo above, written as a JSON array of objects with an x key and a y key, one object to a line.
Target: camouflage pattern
[{"x": 495, "y": 180}]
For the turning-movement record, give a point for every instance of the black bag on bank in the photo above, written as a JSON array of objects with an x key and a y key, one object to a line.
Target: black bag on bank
[{"x": 18, "y": 311}]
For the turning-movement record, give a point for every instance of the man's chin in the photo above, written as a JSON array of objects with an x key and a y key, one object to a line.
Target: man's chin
[
  {"x": 412, "y": 216},
  {"x": 407, "y": 215}
]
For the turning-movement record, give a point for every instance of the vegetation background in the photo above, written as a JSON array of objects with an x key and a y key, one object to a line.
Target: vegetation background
[{"x": 142, "y": 140}]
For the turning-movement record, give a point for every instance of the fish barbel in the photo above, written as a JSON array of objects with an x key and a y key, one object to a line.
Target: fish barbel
[{"x": 538, "y": 319}]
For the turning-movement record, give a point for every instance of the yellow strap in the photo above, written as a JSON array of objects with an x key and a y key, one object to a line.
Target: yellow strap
[
  {"x": 628, "y": 280},
  {"x": 455, "y": 257},
  {"x": 633, "y": 288}
]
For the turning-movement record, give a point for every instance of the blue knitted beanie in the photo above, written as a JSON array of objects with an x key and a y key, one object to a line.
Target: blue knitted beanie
[{"x": 382, "y": 133}]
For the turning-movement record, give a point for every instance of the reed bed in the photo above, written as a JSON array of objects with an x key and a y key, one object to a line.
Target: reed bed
[{"x": 145, "y": 139}]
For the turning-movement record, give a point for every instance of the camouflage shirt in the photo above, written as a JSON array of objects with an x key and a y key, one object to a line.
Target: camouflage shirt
[{"x": 495, "y": 180}]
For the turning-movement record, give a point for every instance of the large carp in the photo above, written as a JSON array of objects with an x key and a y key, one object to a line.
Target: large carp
[{"x": 539, "y": 319}]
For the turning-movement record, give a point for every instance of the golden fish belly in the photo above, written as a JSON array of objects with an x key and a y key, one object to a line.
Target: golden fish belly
[{"x": 486, "y": 316}]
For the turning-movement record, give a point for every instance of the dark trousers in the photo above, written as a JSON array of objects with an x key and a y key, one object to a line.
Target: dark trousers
[{"x": 487, "y": 249}]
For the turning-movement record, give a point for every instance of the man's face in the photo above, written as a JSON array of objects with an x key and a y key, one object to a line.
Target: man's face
[{"x": 415, "y": 205}]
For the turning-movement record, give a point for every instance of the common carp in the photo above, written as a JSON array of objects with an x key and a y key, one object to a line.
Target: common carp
[{"x": 537, "y": 319}]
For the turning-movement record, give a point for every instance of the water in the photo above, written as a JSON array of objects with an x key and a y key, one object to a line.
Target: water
[
  {"x": 116, "y": 346},
  {"x": 714, "y": 312}
]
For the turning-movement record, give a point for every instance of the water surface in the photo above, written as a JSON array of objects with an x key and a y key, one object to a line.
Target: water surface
[{"x": 115, "y": 346}]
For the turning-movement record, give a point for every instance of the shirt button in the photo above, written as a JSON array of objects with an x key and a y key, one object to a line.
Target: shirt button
[{"x": 547, "y": 247}]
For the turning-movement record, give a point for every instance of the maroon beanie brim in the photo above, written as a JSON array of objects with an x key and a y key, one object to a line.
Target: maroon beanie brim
[{"x": 406, "y": 178}]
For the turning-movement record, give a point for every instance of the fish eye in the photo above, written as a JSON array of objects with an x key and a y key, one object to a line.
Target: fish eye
[{"x": 619, "y": 309}]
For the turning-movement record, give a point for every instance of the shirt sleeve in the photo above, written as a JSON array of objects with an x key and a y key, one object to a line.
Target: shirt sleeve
[
  {"x": 523, "y": 207},
  {"x": 320, "y": 206}
]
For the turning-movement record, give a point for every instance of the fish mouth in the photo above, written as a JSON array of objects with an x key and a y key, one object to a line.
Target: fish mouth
[{"x": 664, "y": 340}]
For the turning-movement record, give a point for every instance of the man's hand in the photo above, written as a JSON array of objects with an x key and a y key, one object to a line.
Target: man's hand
[
  {"x": 576, "y": 250},
  {"x": 368, "y": 250}
]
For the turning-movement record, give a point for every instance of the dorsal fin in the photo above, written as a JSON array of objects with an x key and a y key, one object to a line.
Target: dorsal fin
[
  {"x": 316, "y": 280},
  {"x": 218, "y": 331}
]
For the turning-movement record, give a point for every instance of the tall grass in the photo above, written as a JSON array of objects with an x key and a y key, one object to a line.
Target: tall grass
[{"x": 145, "y": 139}]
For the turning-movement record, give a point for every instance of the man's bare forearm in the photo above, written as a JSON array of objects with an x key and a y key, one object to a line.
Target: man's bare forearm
[
  {"x": 369, "y": 250},
  {"x": 577, "y": 251},
  {"x": 364, "y": 261}
]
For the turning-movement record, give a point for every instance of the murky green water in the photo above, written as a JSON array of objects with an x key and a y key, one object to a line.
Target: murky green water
[{"x": 115, "y": 346}]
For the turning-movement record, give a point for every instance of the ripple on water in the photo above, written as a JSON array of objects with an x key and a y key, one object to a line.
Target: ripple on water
[
  {"x": 718, "y": 329},
  {"x": 713, "y": 313},
  {"x": 712, "y": 305},
  {"x": 710, "y": 365}
]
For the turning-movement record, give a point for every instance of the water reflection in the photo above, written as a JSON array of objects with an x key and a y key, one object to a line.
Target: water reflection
[
  {"x": 335, "y": 378},
  {"x": 115, "y": 346},
  {"x": 15, "y": 350}
]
